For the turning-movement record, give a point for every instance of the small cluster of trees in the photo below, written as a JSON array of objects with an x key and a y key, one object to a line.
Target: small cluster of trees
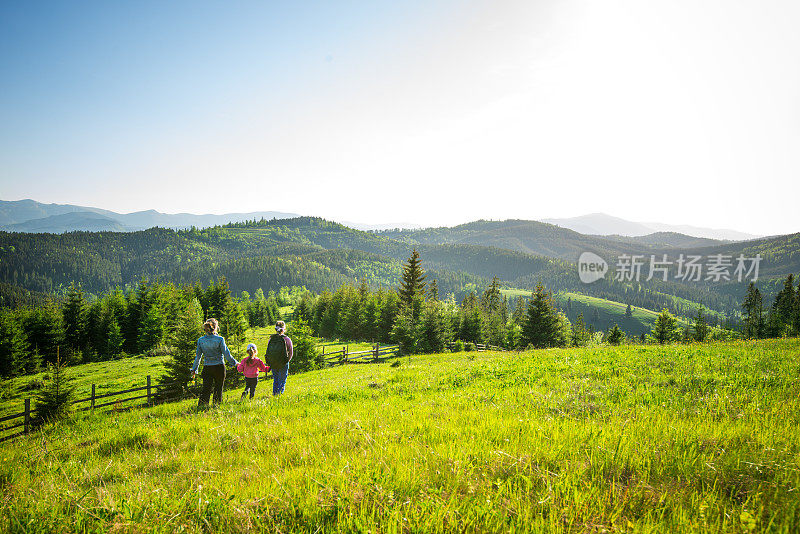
[
  {"x": 779, "y": 320},
  {"x": 419, "y": 319},
  {"x": 137, "y": 321}
]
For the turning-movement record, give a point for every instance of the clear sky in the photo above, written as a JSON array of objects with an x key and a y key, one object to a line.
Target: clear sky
[{"x": 429, "y": 112}]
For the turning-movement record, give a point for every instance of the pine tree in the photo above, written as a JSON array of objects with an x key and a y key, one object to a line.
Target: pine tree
[
  {"x": 783, "y": 307},
  {"x": 753, "y": 321},
  {"x": 235, "y": 326},
  {"x": 542, "y": 326},
  {"x": 74, "y": 311},
  {"x": 54, "y": 400},
  {"x": 796, "y": 313},
  {"x": 218, "y": 297},
  {"x": 433, "y": 291},
  {"x": 412, "y": 285},
  {"x": 389, "y": 310},
  {"x": 520, "y": 311},
  {"x": 615, "y": 335},
  {"x": 14, "y": 349},
  {"x": 151, "y": 331},
  {"x": 492, "y": 298},
  {"x": 628, "y": 311},
  {"x": 306, "y": 356},
  {"x": 665, "y": 329},
  {"x": 580, "y": 336},
  {"x": 700, "y": 326},
  {"x": 303, "y": 309},
  {"x": 175, "y": 382},
  {"x": 404, "y": 331},
  {"x": 471, "y": 323},
  {"x": 114, "y": 337},
  {"x": 45, "y": 328},
  {"x": 434, "y": 332}
]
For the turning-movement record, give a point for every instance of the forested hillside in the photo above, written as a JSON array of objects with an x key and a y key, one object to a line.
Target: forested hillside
[{"x": 320, "y": 254}]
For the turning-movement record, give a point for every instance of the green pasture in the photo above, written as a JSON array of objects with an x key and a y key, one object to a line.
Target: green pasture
[{"x": 677, "y": 438}]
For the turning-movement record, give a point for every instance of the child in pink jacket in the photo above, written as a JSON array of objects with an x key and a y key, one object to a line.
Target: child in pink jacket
[{"x": 250, "y": 367}]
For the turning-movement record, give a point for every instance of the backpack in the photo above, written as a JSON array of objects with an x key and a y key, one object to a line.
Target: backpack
[{"x": 277, "y": 352}]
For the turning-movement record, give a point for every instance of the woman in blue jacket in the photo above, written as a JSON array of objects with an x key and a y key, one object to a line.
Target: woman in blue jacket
[{"x": 214, "y": 351}]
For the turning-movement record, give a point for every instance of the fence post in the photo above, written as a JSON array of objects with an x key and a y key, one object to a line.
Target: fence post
[
  {"x": 27, "y": 415},
  {"x": 323, "y": 351},
  {"x": 93, "y": 397},
  {"x": 377, "y": 349},
  {"x": 149, "y": 395}
]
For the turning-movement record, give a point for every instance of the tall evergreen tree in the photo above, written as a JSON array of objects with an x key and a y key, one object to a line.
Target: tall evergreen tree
[
  {"x": 520, "y": 311},
  {"x": 471, "y": 324},
  {"x": 700, "y": 326},
  {"x": 665, "y": 329},
  {"x": 412, "y": 285},
  {"x": 784, "y": 307},
  {"x": 74, "y": 311},
  {"x": 306, "y": 355},
  {"x": 175, "y": 381},
  {"x": 235, "y": 326},
  {"x": 45, "y": 328},
  {"x": 433, "y": 291},
  {"x": 753, "y": 323},
  {"x": 492, "y": 298},
  {"x": 151, "y": 331},
  {"x": 114, "y": 337},
  {"x": 542, "y": 326},
  {"x": 796, "y": 313},
  {"x": 434, "y": 329},
  {"x": 54, "y": 400},
  {"x": 14, "y": 349},
  {"x": 580, "y": 336},
  {"x": 615, "y": 336}
]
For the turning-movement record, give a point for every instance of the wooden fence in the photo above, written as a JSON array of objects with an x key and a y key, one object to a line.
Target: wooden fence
[
  {"x": 343, "y": 355},
  {"x": 479, "y": 347},
  {"x": 26, "y": 415}
]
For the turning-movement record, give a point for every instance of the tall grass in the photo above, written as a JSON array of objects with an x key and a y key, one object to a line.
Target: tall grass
[{"x": 636, "y": 439}]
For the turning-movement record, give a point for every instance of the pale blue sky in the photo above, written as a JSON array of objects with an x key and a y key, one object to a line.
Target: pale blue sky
[{"x": 427, "y": 112}]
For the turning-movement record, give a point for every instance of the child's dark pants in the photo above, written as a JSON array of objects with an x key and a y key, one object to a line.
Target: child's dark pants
[{"x": 250, "y": 384}]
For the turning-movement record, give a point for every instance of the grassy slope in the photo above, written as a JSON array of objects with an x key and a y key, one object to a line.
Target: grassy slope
[
  {"x": 110, "y": 376},
  {"x": 640, "y": 439}
]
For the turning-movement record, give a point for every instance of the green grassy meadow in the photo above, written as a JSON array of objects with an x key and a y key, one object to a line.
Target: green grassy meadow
[{"x": 680, "y": 438}]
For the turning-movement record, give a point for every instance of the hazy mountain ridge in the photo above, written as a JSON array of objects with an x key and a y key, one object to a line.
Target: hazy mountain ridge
[
  {"x": 606, "y": 225},
  {"x": 31, "y": 216},
  {"x": 70, "y": 221}
]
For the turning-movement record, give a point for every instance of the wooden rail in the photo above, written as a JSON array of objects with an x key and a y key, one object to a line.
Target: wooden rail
[
  {"x": 26, "y": 415},
  {"x": 479, "y": 347},
  {"x": 343, "y": 355}
]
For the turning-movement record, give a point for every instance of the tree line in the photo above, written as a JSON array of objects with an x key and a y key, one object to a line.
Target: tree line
[
  {"x": 137, "y": 321},
  {"x": 780, "y": 319}
]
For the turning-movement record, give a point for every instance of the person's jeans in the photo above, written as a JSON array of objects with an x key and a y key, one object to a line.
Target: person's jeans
[
  {"x": 213, "y": 378},
  {"x": 250, "y": 385},
  {"x": 279, "y": 380}
]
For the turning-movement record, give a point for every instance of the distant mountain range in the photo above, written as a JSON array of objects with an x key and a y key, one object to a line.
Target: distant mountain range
[
  {"x": 606, "y": 225},
  {"x": 31, "y": 216},
  {"x": 34, "y": 217}
]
